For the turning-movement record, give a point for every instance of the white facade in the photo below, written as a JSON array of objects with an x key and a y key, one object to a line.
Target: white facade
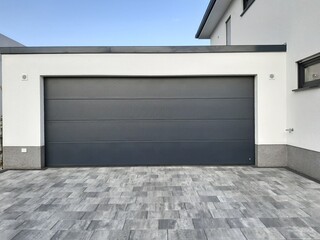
[
  {"x": 25, "y": 98},
  {"x": 5, "y": 42},
  {"x": 291, "y": 22}
]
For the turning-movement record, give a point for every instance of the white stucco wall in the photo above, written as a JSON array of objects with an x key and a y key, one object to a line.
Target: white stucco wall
[
  {"x": 296, "y": 23},
  {"x": 303, "y": 107},
  {"x": 5, "y": 42},
  {"x": 23, "y": 100},
  {"x": 263, "y": 23}
]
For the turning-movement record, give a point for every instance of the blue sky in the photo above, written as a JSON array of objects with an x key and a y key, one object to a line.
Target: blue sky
[{"x": 102, "y": 22}]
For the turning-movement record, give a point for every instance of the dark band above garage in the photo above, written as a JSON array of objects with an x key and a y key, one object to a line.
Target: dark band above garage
[{"x": 162, "y": 49}]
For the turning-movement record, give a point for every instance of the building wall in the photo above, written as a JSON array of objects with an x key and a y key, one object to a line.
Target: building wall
[
  {"x": 295, "y": 23},
  {"x": 23, "y": 100},
  {"x": 303, "y": 107},
  {"x": 5, "y": 42},
  {"x": 265, "y": 22}
]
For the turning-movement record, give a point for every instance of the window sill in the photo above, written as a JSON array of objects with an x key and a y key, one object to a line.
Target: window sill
[
  {"x": 246, "y": 9},
  {"x": 306, "y": 88}
]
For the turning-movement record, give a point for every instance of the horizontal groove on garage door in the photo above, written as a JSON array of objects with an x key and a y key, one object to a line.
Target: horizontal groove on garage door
[
  {"x": 150, "y": 141},
  {"x": 150, "y": 109},
  {"x": 149, "y": 121},
  {"x": 142, "y": 99},
  {"x": 150, "y": 130},
  {"x": 232, "y": 87}
]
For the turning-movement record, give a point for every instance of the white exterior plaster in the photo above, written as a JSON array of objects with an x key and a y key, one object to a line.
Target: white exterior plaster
[
  {"x": 23, "y": 100},
  {"x": 296, "y": 23}
]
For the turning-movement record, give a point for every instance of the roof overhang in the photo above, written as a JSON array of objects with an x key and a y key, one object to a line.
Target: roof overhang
[
  {"x": 143, "y": 50},
  {"x": 9, "y": 42},
  {"x": 212, "y": 17}
]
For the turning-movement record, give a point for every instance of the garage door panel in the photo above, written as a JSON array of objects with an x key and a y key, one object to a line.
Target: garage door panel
[
  {"x": 142, "y": 130},
  {"x": 150, "y": 109},
  {"x": 96, "y": 88},
  {"x": 155, "y": 153},
  {"x": 149, "y": 121}
]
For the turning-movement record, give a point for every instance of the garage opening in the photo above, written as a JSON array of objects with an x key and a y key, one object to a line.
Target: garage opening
[{"x": 128, "y": 121}]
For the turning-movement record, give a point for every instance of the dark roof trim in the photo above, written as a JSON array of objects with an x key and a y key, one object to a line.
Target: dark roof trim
[
  {"x": 205, "y": 17},
  {"x": 136, "y": 50}
]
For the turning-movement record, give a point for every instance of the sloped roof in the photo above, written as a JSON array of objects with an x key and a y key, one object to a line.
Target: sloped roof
[
  {"x": 211, "y": 18},
  {"x": 8, "y": 42}
]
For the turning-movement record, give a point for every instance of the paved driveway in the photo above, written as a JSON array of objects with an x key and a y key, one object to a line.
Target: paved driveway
[{"x": 167, "y": 203}]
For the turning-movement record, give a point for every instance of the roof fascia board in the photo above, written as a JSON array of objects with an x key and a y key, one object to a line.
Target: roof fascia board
[
  {"x": 143, "y": 50},
  {"x": 212, "y": 17}
]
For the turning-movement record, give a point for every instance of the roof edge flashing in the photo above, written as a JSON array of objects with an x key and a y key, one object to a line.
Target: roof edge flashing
[
  {"x": 212, "y": 17},
  {"x": 205, "y": 18},
  {"x": 144, "y": 50}
]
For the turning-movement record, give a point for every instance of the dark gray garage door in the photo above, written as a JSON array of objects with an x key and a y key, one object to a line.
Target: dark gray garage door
[{"x": 149, "y": 121}]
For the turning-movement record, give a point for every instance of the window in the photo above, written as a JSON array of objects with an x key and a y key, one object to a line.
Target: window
[
  {"x": 246, "y": 5},
  {"x": 228, "y": 31},
  {"x": 309, "y": 72}
]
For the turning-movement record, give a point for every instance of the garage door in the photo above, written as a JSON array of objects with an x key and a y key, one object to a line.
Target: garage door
[{"x": 149, "y": 121}]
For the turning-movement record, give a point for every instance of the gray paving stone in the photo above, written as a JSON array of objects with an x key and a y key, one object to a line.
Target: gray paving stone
[
  {"x": 72, "y": 225},
  {"x": 164, "y": 214},
  {"x": 224, "y": 234},
  {"x": 226, "y": 213},
  {"x": 122, "y": 200},
  {"x": 34, "y": 235},
  {"x": 106, "y": 225},
  {"x": 8, "y": 234},
  {"x": 283, "y": 205},
  {"x": 299, "y": 233},
  {"x": 186, "y": 235},
  {"x": 258, "y": 213},
  {"x": 203, "y": 223},
  {"x": 167, "y": 223},
  {"x": 71, "y": 235},
  {"x": 184, "y": 224},
  {"x": 209, "y": 199},
  {"x": 37, "y": 225},
  {"x": 312, "y": 222},
  {"x": 65, "y": 215},
  {"x": 139, "y": 224},
  {"x": 22, "y": 208},
  {"x": 317, "y": 229},
  {"x": 283, "y": 222},
  {"x": 52, "y": 207},
  {"x": 160, "y": 207},
  {"x": 291, "y": 213},
  {"x": 245, "y": 223},
  {"x": 10, "y": 215},
  {"x": 262, "y": 233},
  {"x": 10, "y": 224},
  {"x": 190, "y": 205},
  {"x": 313, "y": 212},
  {"x": 108, "y": 207},
  {"x": 41, "y": 216},
  {"x": 131, "y": 215},
  {"x": 99, "y": 215},
  {"x": 148, "y": 235},
  {"x": 111, "y": 234},
  {"x": 81, "y": 207},
  {"x": 195, "y": 214},
  {"x": 229, "y": 205}
]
